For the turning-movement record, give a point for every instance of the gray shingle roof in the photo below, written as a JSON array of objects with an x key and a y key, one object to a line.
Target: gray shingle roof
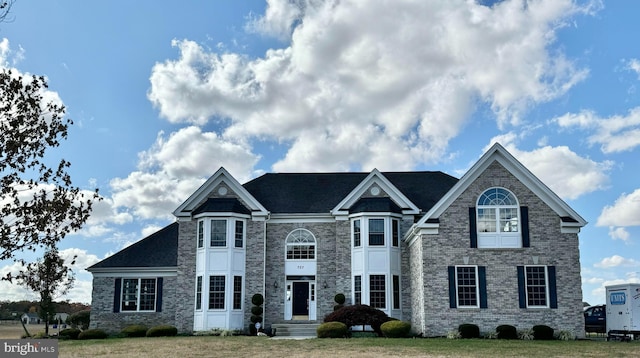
[
  {"x": 159, "y": 249},
  {"x": 288, "y": 193},
  {"x": 321, "y": 192}
]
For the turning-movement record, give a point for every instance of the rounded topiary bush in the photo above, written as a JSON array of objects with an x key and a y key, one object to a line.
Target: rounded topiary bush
[
  {"x": 69, "y": 333},
  {"x": 469, "y": 330},
  {"x": 255, "y": 319},
  {"x": 162, "y": 331},
  {"x": 395, "y": 329},
  {"x": 257, "y": 310},
  {"x": 93, "y": 334},
  {"x": 340, "y": 298},
  {"x": 134, "y": 330},
  {"x": 257, "y": 299},
  {"x": 357, "y": 315},
  {"x": 542, "y": 332},
  {"x": 506, "y": 331},
  {"x": 332, "y": 330}
]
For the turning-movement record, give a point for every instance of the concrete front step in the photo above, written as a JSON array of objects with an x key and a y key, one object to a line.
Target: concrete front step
[{"x": 295, "y": 329}]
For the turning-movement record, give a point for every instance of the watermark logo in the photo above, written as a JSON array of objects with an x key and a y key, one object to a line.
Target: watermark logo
[{"x": 41, "y": 348}]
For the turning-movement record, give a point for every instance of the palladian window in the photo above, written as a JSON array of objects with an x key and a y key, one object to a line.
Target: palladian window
[
  {"x": 498, "y": 219},
  {"x": 301, "y": 245}
]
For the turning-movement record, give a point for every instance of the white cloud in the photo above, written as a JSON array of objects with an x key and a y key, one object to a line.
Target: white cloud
[
  {"x": 575, "y": 177},
  {"x": 175, "y": 167},
  {"x": 634, "y": 65},
  {"x": 624, "y": 212},
  {"x": 617, "y": 261},
  {"x": 614, "y": 134},
  {"x": 377, "y": 92},
  {"x": 619, "y": 233}
]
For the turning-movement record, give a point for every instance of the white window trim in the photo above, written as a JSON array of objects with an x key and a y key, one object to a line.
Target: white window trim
[
  {"x": 458, "y": 305},
  {"x": 484, "y": 238},
  {"x": 546, "y": 286},
  {"x": 230, "y": 231},
  {"x": 138, "y": 292},
  {"x": 287, "y": 244}
]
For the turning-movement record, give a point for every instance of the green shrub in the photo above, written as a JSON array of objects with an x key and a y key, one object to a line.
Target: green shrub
[
  {"x": 526, "y": 334},
  {"x": 257, "y": 310},
  {"x": 339, "y": 298},
  {"x": 79, "y": 320},
  {"x": 542, "y": 332},
  {"x": 356, "y": 315},
  {"x": 134, "y": 330},
  {"x": 93, "y": 334},
  {"x": 468, "y": 330},
  {"x": 257, "y": 299},
  {"x": 506, "y": 331},
  {"x": 163, "y": 330},
  {"x": 69, "y": 333},
  {"x": 255, "y": 319},
  {"x": 395, "y": 329},
  {"x": 565, "y": 336},
  {"x": 332, "y": 330}
]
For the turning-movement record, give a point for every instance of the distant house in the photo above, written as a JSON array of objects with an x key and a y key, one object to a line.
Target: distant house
[
  {"x": 31, "y": 318},
  {"x": 494, "y": 247},
  {"x": 60, "y": 317}
]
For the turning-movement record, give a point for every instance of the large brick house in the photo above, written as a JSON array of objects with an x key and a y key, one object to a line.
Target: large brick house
[{"x": 495, "y": 247}]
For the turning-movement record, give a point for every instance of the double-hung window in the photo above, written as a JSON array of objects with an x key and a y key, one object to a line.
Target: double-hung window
[
  {"x": 239, "y": 234},
  {"x": 467, "y": 286},
  {"x": 237, "y": 292},
  {"x": 138, "y": 294},
  {"x": 377, "y": 291},
  {"x": 537, "y": 286},
  {"x": 199, "y": 293},
  {"x": 357, "y": 240},
  {"x": 376, "y": 232},
  {"x": 200, "y": 234},
  {"x": 216, "y": 292},
  {"x": 357, "y": 290},
  {"x": 218, "y": 233}
]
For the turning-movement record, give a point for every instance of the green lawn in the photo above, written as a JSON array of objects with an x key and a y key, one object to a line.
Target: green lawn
[{"x": 183, "y": 347}]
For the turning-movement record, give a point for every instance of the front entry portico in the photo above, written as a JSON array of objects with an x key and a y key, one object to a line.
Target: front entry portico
[{"x": 300, "y": 299}]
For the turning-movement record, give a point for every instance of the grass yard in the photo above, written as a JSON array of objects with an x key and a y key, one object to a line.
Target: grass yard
[
  {"x": 184, "y": 347},
  {"x": 356, "y": 347}
]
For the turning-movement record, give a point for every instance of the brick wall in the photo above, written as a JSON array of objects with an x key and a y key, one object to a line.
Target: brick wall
[{"x": 548, "y": 244}]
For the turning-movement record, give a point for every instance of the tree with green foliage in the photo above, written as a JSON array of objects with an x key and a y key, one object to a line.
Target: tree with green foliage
[
  {"x": 49, "y": 278},
  {"x": 39, "y": 205}
]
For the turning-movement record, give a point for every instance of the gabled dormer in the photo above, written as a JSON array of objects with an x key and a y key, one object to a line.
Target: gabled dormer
[
  {"x": 221, "y": 193},
  {"x": 375, "y": 193}
]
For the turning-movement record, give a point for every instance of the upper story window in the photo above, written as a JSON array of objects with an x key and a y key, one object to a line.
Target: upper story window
[
  {"x": 218, "y": 233},
  {"x": 357, "y": 239},
  {"x": 200, "y": 234},
  {"x": 222, "y": 232},
  {"x": 498, "y": 221},
  {"x": 301, "y": 245},
  {"x": 376, "y": 232}
]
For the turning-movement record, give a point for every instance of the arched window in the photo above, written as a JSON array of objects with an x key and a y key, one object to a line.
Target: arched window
[
  {"x": 301, "y": 245},
  {"x": 498, "y": 219}
]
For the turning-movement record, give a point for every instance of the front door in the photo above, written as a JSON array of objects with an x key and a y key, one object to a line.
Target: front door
[{"x": 301, "y": 298}]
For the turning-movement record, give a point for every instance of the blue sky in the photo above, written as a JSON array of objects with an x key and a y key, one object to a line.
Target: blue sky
[{"x": 162, "y": 94}]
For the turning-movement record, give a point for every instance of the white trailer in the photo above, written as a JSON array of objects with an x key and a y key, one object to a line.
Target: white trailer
[{"x": 623, "y": 311}]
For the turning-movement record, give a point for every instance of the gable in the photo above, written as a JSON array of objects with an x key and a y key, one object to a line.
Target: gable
[
  {"x": 571, "y": 220},
  {"x": 227, "y": 190}
]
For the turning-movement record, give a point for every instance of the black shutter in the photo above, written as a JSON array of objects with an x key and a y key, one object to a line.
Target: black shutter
[
  {"x": 116, "y": 295},
  {"x": 524, "y": 221},
  {"x": 522, "y": 295},
  {"x": 159, "y": 295},
  {"x": 553, "y": 296},
  {"x": 473, "y": 229},
  {"x": 482, "y": 282},
  {"x": 452, "y": 286}
]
